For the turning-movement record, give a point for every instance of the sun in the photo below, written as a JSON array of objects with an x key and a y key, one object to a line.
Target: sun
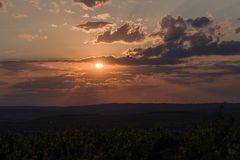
[{"x": 99, "y": 65}]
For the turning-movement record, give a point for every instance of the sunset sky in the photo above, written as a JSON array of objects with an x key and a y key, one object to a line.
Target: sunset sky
[{"x": 149, "y": 51}]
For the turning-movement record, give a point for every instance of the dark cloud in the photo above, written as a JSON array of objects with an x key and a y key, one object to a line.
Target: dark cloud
[
  {"x": 200, "y": 22},
  {"x": 73, "y": 86},
  {"x": 215, "y": 32},
  {"x": 129, "y": 60},
  {"x": 237, "y": 30},
  {"x": 180, "y": 41},
  {"x": 128, "y": 33},
  {"x": 4, "y": 4},
  {"x": 178, "y": 73},
  {"x": 173, "y": 28},
  {"x": 20, "y": 66},
  {"x": 57, "y": 82},
  {"x": 2, "y": 83},
  {"x": 93, "y": 26},
  {"x": 92, "y": 3},
  {"x": 171, "y": 54}
]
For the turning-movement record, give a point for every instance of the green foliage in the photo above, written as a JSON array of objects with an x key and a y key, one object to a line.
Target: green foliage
[{"x": 203, "y": 143}]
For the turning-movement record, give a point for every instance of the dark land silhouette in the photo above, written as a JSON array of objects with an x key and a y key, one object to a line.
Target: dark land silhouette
[
  {"x": 121, "y": 131},
  {"x": 169, "y": 116}
]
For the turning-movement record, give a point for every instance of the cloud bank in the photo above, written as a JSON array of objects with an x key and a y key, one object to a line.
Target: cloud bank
[
  {"x": 93, "y": 26},
  {"x": 31, "y": 37},
  {"x": 128, "y": 33},
  {"x": 74, "y": 83},
  {"x": 91, "y": 4},
  {"x": 181, "y": 38}
]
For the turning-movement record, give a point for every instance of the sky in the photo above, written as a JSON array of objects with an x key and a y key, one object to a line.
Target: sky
[{"x": 153, "y": 51}]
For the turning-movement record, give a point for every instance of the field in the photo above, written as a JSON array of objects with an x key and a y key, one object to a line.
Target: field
[
  {"x": 213, "y": 142},
  {"x": 118, "y": 132}
]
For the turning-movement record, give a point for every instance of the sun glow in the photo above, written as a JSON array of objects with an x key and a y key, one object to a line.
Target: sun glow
[{"x": 99, "y": 65}]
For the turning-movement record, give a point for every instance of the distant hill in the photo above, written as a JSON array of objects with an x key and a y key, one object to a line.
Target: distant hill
[
  {"x": 174, "y": 116},
  {"x": 18, "y": 113}
]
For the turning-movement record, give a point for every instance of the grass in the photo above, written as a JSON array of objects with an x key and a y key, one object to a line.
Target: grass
[{"x": 209, "y": 142}]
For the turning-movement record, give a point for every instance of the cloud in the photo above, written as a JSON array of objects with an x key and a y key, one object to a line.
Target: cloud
[
  {"x": 69, "y": 11},
  {"x": 20, "y": 15},
  {"x": 19, "y": 66},
  {"x": 35, "y": 3},
  {"x": 200, "y": 22},
  {"x": 30, "y": 37},
  {"x": 2, "y": 83},
  {"x": 169, "y": 53},
  {"x": 86, "y": 15},
  {"x": 91, "y": 4},
  {"x": 175, "y": 28},
  {"x": 55, "y": 82},
  {"x": 4, "y": 4},
  {"x": 54, "y": 26},
  {"x": 128, "y": 33},
  {"x": 172, "y": 28},
  {"x": 179, "y": 41},
  {"x": 93, "y": 26},
  {"x": 237, "y": 30},
  {"x": 55, "y": 8},
  {"x": 103, "y": 16},
  {"x": 127, "y": 60},
  {"x": 69, "y": 82}
]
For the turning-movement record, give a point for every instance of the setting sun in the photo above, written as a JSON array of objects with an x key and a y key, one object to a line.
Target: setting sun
[{"x": 99, "y": 65}]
